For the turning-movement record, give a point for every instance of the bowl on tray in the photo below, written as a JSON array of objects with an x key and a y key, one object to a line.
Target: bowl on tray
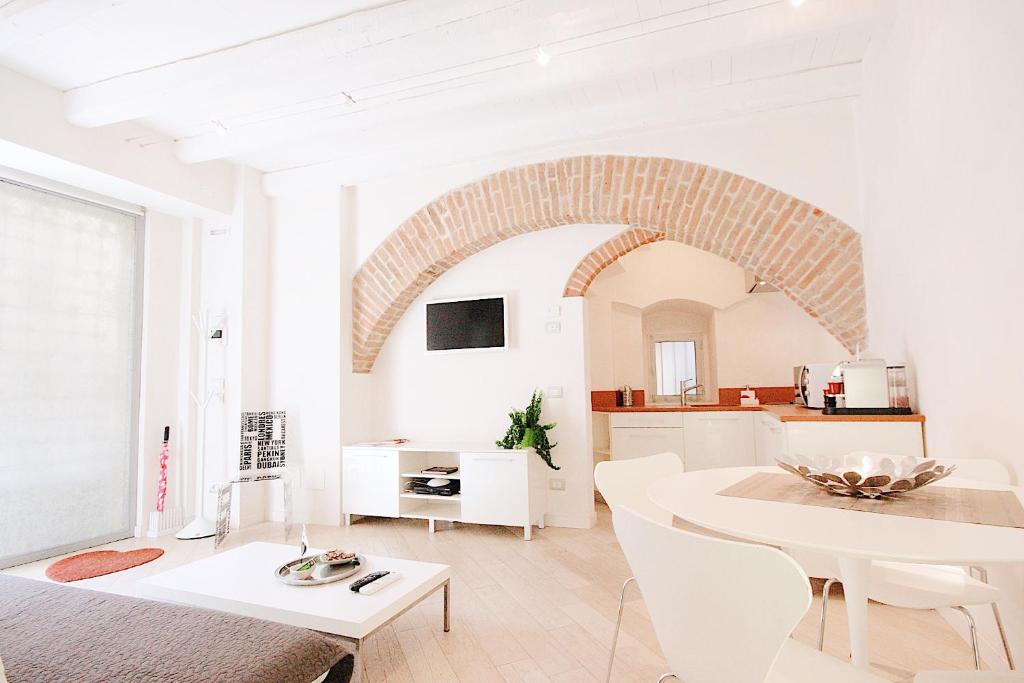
[
  {"x": 305, "y": 570},
  {"x": 865, "y": 474},
  {"x": 336, "y": 557}
]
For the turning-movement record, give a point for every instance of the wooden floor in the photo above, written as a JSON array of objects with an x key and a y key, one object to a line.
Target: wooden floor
[{"x": 537, "y": 611}]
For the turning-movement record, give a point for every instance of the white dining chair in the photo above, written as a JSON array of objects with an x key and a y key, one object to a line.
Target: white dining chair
[
  {"x": 723, "y": 610},
  {"x": 922, "y": 586},
  {"x": 625, "y": 482}
]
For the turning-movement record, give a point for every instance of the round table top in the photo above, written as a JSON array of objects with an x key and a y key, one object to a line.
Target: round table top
[{"x": 692, "y": 496}]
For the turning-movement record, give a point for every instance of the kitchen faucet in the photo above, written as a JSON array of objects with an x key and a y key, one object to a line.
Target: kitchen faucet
[{"x": 685, "y": 388}]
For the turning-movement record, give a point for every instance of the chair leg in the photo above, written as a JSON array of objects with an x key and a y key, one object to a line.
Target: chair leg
[
  {"x": 665, "y": 677},
  {"x": 983, "y": 574},
  {"x": 1002, "y": 637},
  {"x": 974, "y": 634},
  {"x": 824, "y": 611},
  {"x": 618, "y": 623}
]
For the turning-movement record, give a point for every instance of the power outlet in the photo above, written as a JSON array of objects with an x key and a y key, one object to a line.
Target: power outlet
[{"x": 556, "y": 484}]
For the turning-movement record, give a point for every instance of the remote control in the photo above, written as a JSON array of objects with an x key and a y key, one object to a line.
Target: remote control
[
  {"x": 368, "y": 579},
  {"x": 380, "y": 584}
]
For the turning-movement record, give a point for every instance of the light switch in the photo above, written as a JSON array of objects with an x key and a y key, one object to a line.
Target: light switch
[
  {"x": 553, "y": 392},
  {"x": 554, "y": 311},
  {"x": 553, "y": 327}
]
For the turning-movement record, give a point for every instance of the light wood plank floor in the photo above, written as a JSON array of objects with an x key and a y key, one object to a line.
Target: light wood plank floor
[{"x": 537, "y": 611}]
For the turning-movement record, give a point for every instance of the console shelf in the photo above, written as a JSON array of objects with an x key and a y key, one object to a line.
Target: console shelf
[
  {"x": 426, "y": 496},
  {"x": 419, "y": 475},
  {"x": 498, "y": 486}
]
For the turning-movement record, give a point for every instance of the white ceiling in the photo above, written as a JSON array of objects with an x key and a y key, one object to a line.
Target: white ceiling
[{"x": 358, "y": 85}]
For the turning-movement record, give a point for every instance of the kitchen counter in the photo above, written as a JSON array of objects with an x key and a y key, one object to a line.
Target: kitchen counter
[
  {"x": 669, "y": 408},
  {"x": 786, "y": 412}
]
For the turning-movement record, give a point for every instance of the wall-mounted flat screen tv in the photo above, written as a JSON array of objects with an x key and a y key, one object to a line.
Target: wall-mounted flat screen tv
[{"x": 466, "y": 324}]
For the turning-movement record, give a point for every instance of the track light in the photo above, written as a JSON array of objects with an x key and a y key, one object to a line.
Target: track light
[
  {"x": 542, "y": 56},
  {"x": 219, "y": 128}
]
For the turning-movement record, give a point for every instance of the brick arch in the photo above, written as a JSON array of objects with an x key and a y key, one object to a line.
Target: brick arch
[
  {"x": 810, "y": 255},
  {"x": 605, "y": 254}
]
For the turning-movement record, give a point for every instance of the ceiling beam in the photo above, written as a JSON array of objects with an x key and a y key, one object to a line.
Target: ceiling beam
[
  {"x": 392, "y": 51},
  {"x": 570, "y": 77}
]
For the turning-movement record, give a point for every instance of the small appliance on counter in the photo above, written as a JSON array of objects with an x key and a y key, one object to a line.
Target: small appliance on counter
[
  {"x": 864, "y": 390},
  {"x": 810, "y": 382}
]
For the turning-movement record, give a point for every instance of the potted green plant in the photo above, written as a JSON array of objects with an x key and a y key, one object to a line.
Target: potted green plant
[{"x": 526, "y": 431}]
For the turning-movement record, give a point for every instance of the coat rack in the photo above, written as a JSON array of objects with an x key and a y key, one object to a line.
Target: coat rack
[{"x": 202, "y": 526}]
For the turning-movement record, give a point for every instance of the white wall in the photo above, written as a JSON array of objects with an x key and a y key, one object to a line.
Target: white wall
[
  {"x": 943, "y": 139},
  {"x": 466, "y": 397},
  {"x": 759, "y": 340},
  {"x": 167, "y": 266},
  {"x": 305, "y": 346}
]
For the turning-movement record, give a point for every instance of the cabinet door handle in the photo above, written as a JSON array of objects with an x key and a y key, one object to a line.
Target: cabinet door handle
[{"x": 366, "y": 455}]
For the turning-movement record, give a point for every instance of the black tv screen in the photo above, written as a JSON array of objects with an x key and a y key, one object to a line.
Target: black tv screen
[{"x": 468, "y": 324}]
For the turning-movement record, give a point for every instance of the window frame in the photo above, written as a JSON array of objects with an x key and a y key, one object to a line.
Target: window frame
[{"x": 699, "y": 339}]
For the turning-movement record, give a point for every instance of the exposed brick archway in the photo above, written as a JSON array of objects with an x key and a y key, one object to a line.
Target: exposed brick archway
[
  {"x": 605, "y": 254},
  {"x": 810, "y": 255}
]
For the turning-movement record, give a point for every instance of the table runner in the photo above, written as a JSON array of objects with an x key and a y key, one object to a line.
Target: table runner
[{"x": 945, "y": 503}]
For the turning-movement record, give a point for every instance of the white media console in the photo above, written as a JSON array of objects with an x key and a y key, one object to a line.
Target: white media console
[{"x": 498, "y": 486}]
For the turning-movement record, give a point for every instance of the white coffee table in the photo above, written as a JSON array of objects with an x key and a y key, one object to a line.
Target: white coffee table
[{"x": 241, "y": 581}]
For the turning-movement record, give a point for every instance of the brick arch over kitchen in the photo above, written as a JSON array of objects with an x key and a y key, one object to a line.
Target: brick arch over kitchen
[{"x": 810, "y": 255}]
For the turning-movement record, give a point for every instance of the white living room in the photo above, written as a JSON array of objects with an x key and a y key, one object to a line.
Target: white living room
[{"x": 511, "y": 340}]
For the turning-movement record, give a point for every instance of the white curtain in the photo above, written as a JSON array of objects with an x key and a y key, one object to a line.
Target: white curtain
[
  {"x": 67, "y": 368},
  {"x": 675, "y": 361}
]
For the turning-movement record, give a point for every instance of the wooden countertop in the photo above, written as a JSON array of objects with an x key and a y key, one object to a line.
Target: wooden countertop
[
  {"x": 668, "y": 408},
  {"x": 786, "y": 412}
]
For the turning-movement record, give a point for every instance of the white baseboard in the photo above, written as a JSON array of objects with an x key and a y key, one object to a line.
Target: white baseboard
[{"x": 169, "y": 521}]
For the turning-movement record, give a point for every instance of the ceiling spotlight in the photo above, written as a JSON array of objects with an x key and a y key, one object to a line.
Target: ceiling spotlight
[
  {"x": 542, "y": 56},
  {"x": 219, "y": 128}
]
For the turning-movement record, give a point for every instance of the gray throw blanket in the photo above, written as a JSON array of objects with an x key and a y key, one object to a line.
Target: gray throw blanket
[{"x": 60, "y": 634}]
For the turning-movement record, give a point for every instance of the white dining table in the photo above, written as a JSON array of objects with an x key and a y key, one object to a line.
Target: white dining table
[{"x": 853, "y": 538}]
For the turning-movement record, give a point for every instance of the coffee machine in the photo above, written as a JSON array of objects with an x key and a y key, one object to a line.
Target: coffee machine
[{"x": 865, "y": 389}]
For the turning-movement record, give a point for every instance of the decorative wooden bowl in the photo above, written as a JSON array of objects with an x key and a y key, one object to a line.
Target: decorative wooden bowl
[{"x": 865, "y": 474}]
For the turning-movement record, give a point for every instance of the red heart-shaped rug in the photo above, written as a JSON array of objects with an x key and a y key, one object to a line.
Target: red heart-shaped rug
[{"x": 99, "y": 562}]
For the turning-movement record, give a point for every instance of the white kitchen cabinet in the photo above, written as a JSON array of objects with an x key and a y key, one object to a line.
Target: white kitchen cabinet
[
  {"x": 639, "y": 442},
  {"x": 639, "y": 434},
  {"x": 769, "y": 439},
  {"x": 718, "y": 439},
  {"x": 497, "y": 486},
  {"x": 369, "y": 482},
  {"x": 839, "y": 438}
]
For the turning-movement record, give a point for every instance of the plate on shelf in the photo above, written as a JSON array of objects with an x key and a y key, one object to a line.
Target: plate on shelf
[{"x": 323, "y": 573}]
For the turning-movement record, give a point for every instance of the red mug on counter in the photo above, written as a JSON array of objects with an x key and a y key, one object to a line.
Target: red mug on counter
[{"x": 835, "y": 388}]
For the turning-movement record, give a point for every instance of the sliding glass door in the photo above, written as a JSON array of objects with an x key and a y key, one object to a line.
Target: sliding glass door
[{"x": 69, "y": 338}]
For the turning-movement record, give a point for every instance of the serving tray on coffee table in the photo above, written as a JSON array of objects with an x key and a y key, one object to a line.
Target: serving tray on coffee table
[{"x": 324, "y": 573}]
